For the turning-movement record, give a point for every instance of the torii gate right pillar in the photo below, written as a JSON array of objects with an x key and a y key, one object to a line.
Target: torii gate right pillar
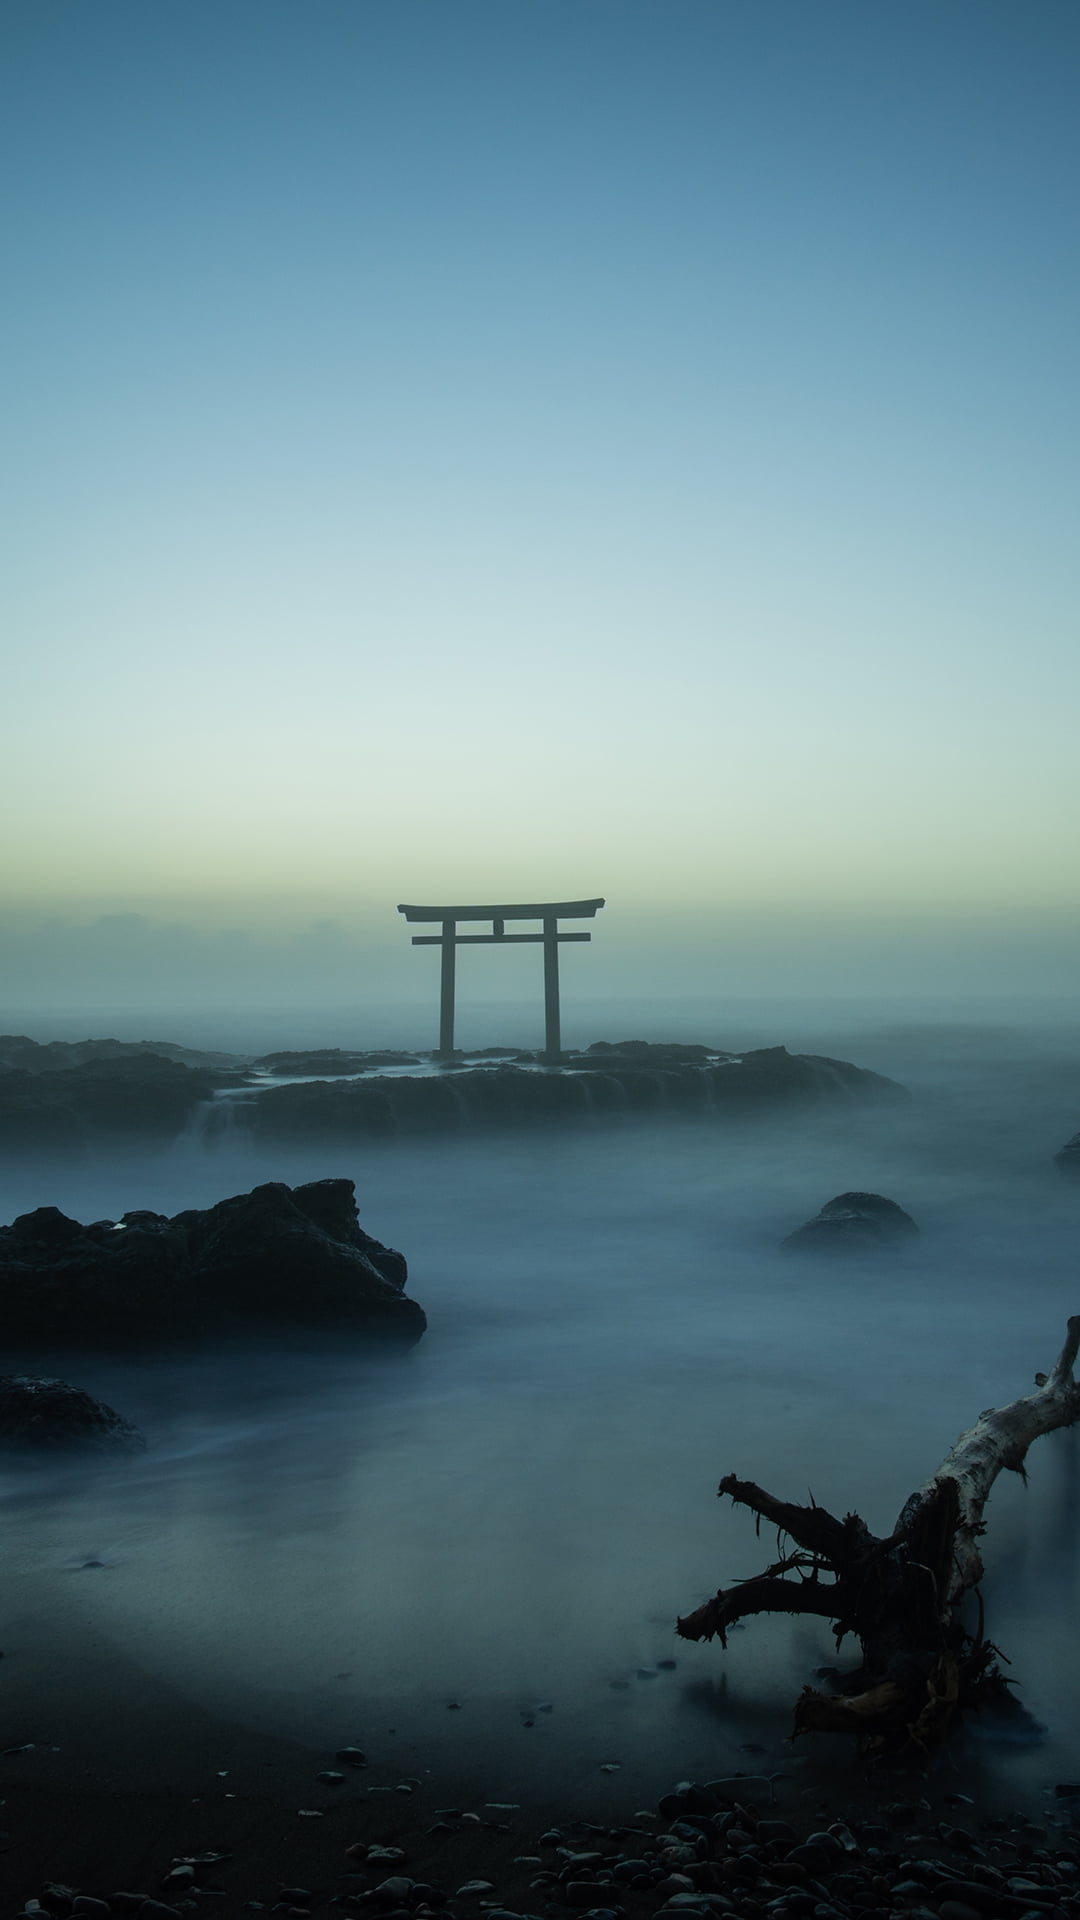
[
  {"x": 552, "y": 1029},
  {"x": 447, "y": 984}
]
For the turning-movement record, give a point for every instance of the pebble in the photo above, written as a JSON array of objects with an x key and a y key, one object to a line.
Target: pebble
[
  {"x": 329, "y": 1778},
  {"x": 351, "y": 1757}
]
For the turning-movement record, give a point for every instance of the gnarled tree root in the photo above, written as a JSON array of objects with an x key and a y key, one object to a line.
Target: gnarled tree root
[{"x": 899, "y": 1596}]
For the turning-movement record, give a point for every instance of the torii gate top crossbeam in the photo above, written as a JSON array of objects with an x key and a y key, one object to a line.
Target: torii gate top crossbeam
[
  {"x": 549, "y": 912},
  {"x": 561, "y": 909}
]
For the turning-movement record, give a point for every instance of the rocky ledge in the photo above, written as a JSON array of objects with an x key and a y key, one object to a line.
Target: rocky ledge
[
  {"x": 67, "y": 1096},
  {"x": 613, "y": 1081},
  {"x": 277, "y": 1256}
]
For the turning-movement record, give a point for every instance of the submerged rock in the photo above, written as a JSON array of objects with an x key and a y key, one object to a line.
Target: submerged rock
[
  {"x": 1069, "y": 1158},
  {"x": 50, "y": 1414},
  {"x": 853, "y": 1222},
  {"x": 278, "y": 1255}
]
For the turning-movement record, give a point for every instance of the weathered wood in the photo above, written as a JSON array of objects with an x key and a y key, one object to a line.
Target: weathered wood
[{"x": 899, "y": 1595}]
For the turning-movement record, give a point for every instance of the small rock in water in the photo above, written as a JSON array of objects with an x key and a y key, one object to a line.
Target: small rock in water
[
  {"x": 611, "y": 1766},
  {"x": 329, "y": 1778},
  {"x": 309, "y": 1813},
  {"x": 351, "y": 1757}
]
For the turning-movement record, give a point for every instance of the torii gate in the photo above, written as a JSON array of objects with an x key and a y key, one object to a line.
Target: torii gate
[{"x": 549, "y": 913}]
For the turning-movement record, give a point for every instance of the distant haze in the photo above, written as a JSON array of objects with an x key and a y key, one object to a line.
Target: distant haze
[
  {"x": 540, "y": 450},
  {"x": 244, "y": 982}
]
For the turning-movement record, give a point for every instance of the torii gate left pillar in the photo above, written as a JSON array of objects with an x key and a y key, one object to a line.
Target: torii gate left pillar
[{"x": 549, "y": 913}]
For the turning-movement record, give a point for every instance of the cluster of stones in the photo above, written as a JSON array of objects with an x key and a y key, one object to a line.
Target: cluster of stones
[{"x": 711, "y": 1851}]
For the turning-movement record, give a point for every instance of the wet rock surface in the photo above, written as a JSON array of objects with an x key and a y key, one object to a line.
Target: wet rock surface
[
  {"x": 334, "y": 1060},
  {"x": 276, "y": 1255},
  {"x": 854, "y": 1222},
  {"x": 50, "y": 1416}
]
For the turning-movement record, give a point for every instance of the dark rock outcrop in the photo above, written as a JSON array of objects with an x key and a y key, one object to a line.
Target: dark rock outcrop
[
  {"x": 276, "y": 1256},
  {"x": 138, "y": 1095},
  {"x": 1069, "y": 1158},
  {"x": 48, "y": 1415},
  {"x": 654, "y": 1053},
  {"x": 602, "y": 1084},
  {"x": 853, "y": 1223}
]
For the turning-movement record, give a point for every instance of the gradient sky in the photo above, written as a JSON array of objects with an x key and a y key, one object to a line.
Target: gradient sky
[{"x": 508, "y": 448}]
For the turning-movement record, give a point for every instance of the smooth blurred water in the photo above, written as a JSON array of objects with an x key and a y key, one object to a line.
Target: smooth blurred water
[{"x": 513, "y": 1514}]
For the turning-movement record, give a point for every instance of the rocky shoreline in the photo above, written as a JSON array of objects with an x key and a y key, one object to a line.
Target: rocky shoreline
[
  {"x": 739, "y": 1845},
  {"x": 67, "y": 1096}
]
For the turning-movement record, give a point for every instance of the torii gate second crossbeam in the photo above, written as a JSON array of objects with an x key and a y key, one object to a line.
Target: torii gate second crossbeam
[{"x": 549, "y": 913}]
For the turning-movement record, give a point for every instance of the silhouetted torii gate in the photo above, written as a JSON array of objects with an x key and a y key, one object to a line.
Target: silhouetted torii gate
[{"x": 549, "y": 913}]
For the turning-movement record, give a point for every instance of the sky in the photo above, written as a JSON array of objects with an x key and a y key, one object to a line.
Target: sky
[{"x": 507, "y": 449}]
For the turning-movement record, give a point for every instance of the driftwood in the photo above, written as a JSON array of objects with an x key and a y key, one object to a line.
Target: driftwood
[{"x": 899, "y": 1596}]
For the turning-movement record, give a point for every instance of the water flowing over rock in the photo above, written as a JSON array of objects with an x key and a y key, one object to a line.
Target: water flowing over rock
[
  {"x": 276, "y": 1256},
  {"x": 852, "y": 1223},
  {"x": 50, "y": 1415}
]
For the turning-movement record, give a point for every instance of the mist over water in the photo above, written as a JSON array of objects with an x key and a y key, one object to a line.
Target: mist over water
[{"x": 510, "y": 1517}]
